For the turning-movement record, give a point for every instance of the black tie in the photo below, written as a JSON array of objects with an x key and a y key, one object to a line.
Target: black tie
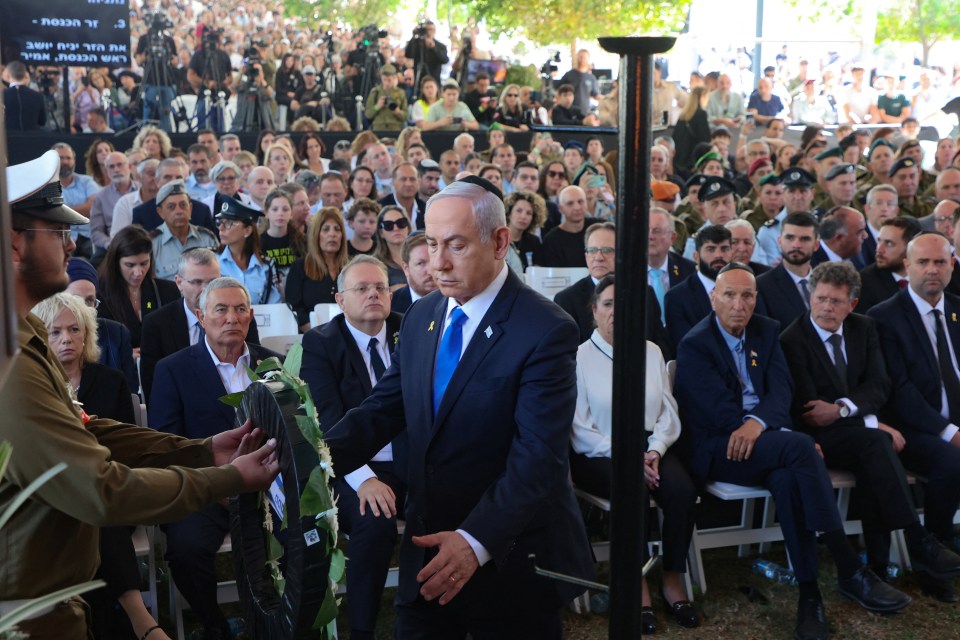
[
  {"x": 375, "y": 360},
  {"x": 805, "y": 292},
  {"x": 838, "y": 360},
  {"x": 947, "y": 373}
]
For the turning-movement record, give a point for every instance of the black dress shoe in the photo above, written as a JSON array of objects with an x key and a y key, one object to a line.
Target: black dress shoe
[
  {"x": 684, "y": 613},
  {"x": 939, "y": 588},
  {"x": 932, "y": 557},
  {"x": 872, "y": 593},
  {"x": 648, "y": 621},
  {"x": 811, "y": 620}
]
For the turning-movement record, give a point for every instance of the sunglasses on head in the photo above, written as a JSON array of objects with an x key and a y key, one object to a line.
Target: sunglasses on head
[{"x": 388, "y": 225}]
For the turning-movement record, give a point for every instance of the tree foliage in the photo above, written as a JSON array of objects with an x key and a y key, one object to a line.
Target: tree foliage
[
  {"x": 561, "y": 21},
  {"x": 922, "y": 21},
  {"x": 355, "y": 13}
]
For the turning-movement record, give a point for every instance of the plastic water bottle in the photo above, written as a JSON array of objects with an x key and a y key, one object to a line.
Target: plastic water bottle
[
  {"x": 773, "y": 571},
  {"x": 892, "y": 569}
]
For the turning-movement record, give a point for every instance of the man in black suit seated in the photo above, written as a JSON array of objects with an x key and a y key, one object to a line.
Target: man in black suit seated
[
  {"x": 785, "y": 290},
  {"x": 145, "y": 214},
  {"x": 342, "y": 362},
  {"x": 665, "y": 268},
  {"x": 840, "y": 385},
  {"x": 734, "y": 392},
  {"x": 600, "y": 248},
  {"x": 689, "y": 302},
  {"x": 24, "y": 107},
  {"x": 743, "y": 244},
  {"x": 842, "y": 232},
  {"x": 184, "y": 401},
  {"x": 888, "y": 274},
  {"x": 879, "y": 206},
  {"x": 920, "y": 338},
  {"x": 415, "y": 260}
]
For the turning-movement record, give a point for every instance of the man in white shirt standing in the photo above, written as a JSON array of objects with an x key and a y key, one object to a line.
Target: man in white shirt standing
[{"x": 342, "y": 362}]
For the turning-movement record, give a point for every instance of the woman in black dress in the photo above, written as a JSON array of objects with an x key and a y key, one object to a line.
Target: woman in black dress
[
  {"x": 313, "y": 279},
  {"x": 128, "y": 287},
  {"x": 72, "y": 330}
]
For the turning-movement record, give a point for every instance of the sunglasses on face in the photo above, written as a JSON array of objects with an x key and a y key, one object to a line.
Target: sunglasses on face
[
  {"x": 556, "y": 174},
  {"x": 388, "y": 225}
]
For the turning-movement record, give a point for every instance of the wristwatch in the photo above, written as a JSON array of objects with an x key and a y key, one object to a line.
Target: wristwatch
[{"x": 844, "y": 410}]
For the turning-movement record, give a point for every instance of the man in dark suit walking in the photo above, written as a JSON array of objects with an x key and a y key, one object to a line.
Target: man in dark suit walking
[
  {"x": 24, "y": 107},
  {"x": 689, "y": 302},
  {"x": 483, "y": 384},
  {"x": 184, "y": 401},
  {"x": 920, "y": 338},
  {"x": 784, "y": 291},
  {"x": 734, "y": 391},
  {"x": 342, "y": 362},
  {"x": 840, "y": 385},
  {"x": 415, "y": 260},
  {"x": 888, "y": 274}
]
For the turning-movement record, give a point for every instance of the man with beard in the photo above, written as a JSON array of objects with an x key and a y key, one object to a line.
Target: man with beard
[
  {"x": 797, "y": 197},
  {"x": 688, "y": 303},
  {"x": 429, "y": 172},
  {"x": 888, "y": 274},
  {"x": 101, "y": 212},
  {"x": 79, "y": 191},
  {"x": 784, "y": 291},
  {"x": 415, "y": 260},
  {"x": 881, "y": 205},
  {"x": 199, "y": 184}
]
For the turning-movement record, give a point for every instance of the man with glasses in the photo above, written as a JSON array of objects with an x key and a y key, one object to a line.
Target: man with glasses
[
  {"x": 176, "y": 234},
  {"x": 342, "y": 362}
]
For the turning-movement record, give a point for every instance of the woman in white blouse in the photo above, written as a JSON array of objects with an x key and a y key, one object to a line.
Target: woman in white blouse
[{"x": 667, "y": 479}]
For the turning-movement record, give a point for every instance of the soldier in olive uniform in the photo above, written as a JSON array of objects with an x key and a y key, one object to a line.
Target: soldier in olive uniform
[
  {"x": 387, "y": 103},
  {"x": 905, "y": 177},
  {"x": 116, "y": 474}
]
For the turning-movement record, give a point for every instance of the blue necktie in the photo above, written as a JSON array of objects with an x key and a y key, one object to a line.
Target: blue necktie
[
  {"x": 449, "y": 355},
  {"x": 656, "y": 281}
]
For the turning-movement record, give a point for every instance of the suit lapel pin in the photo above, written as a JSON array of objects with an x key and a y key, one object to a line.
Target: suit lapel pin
[
  {"x": 753, "y": 362},
  {"x": 753, "y": 354},
  {"x": 953, "y": 317},
  {"x": 489, "y": 332},
  {"x": 430, "y": 328},
  {"x": 396, "y": 338},
  {"x": 676, "y": 270}
]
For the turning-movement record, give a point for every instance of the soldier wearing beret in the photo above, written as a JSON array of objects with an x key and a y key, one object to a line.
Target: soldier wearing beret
[
  {"x": 824, "y": 161},
  {"x": 718, "y": 197},
  {"x": 116, "y": 474},
  {"x": 880, "y": 158},
  {"x": 769, "y": 202},
  {"x": 841, "y": 181},
  {"x": 905, "y": 177},
  {"x": 689, "y": 213},
  {"x": 176, "y": 234}
]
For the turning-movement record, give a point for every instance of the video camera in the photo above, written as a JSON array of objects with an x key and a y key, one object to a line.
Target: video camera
[
  {"x": 251, "y": 57},
  {"x": 420, "y": 31},
  {"x": 211, "y": 37},
  {"x": 370, "y": 34},
  {"x": 550, "y": 67},
  {"x": 158, "y": 21}
]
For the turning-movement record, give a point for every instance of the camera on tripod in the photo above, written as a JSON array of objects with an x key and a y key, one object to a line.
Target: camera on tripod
[
  {"x": 158, "y": 21},
  {"x": 48, "y": 81},
  {"x": 251, "y": 57},
  {"x": 549, "y": 67},
  {"x": 211, "y": 38},
  {"x": 370, "y": 34},
  {"x": 420, "y": 31}
]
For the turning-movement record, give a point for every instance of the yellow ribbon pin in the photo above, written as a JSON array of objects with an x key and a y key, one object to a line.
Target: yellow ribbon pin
[
  {"x": 430, "y": 328},
  {"x": 753, "y": 363},
  {"x": 953, "y": 317}
]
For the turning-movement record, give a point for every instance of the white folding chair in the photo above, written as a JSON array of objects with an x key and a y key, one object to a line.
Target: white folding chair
[
  {"x": 143, "y": 547},
  {"x": 549, "y": 281},
  {"x": 281, "y": 344},
  {"x": 324, "y": 313},
  {"x": 226, "y": 592},
  {"x": 275, "y": 320}
]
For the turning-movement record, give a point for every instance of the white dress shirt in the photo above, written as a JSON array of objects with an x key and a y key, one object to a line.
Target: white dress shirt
[
  {"x": 364, "y": 473},
  {"x": 233, "y": 376},
  {"x": 926, "y": 314}
]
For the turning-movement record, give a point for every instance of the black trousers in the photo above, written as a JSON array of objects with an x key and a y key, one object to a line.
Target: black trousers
[
  {"x": 372, "y": 540},
  {"x": 192, "y": 544},
  {"x": 881, "y": 482},
  {"x": 120, "y": 570},
  {"x": 939, "y": 463}
]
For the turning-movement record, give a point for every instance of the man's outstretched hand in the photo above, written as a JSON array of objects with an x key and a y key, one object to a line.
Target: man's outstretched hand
[
  {"x": 228, "y": 445},
  {"x": 258, "y": 469},
  {"x": 453, "y": 566}
]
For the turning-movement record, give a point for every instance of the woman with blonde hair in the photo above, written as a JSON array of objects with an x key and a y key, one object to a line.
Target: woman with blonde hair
[
  {"x": 693, "y": 127},
  {"x": 313, "y": 279},
  {"x": 407, "y": 137},
  {"x": 511, "y": 115},
  {"x": 72, "y": 337},
  {"x": 280, "y": 160},
  {"x": 154, "y": 142}
]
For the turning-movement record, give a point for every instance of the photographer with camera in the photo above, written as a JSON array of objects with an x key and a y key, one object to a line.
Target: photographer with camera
[
  {"x": 427, "y": 54},
  {"x": 387, "y": 103},
  {"x": 254, "y": 91},
  {"x": 210, "y": 66},
  {"x": 157, "y": 54},
  {"x": 310, "y": 99}
]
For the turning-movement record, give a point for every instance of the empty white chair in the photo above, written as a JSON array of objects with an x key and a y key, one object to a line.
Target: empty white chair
[
  {"x": 275, "y": 320},
  {"x": 549, "y": 281},
  {"x": 324, "y": 313},
  {"x": 281, "y": 344}
]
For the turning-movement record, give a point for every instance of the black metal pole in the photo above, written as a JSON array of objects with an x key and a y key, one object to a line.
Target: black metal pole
[{"x": 629, "y": 494}]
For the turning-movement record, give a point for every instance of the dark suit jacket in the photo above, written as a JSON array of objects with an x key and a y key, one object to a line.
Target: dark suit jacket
[
  {"x": 145, "y": 215},
  {"x": 25, "y": 109},
  {"x": 103, "y": 392},
  {"x": 868, "y": 250},
  {"x": 333, "y": 367},
  {"x": 164, "y": 332},
  {"x": 679, "y": 268},
  {"x": 494, "y": 460},
  {"x": 391, "y": 200},
  {"x": 915, "y": 401},
  {"x": 401, "y": 300},
  {"x": 186, "y": 391},
  {"x": 876, "y": 285},
  {"x": 815, "y": 376},
  {"x": 708, "y": 387},
  {"x": 686, "y": 305},
  {"x": 116, "y": 351},
  {"x": 821, "y": 256},
  {"x": 780, "y": 296},
  {"x": 575, "y": 300}
]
